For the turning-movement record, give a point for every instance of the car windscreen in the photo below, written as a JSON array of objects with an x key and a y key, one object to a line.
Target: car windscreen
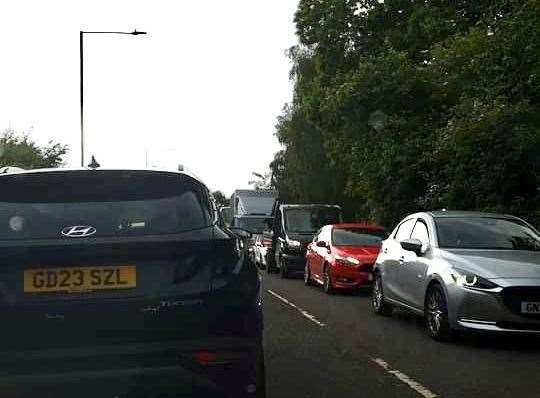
[
  {"x": 357, "y": 237},
  {"x": 310, "y": 219},
  {"x": 110, "y": 203},
  {"x": 486, "y": 233},
  {"x": 251, "y": 224},
  {"x": 256, "y": 205}
]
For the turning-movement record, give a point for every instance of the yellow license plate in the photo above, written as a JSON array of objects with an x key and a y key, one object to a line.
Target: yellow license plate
[{"x": 79, "y": 279}]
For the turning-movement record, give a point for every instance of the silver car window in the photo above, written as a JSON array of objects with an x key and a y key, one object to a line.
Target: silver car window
[
  {"x": 420, "y": 232},
  {"x": 486, "y": 233},
  {"x": 404, "y": 230}
]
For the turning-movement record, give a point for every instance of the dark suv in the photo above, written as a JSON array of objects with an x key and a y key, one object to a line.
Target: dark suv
[
  {"x": 120, "y": 283},
  {"x": 292, "y": 229}
]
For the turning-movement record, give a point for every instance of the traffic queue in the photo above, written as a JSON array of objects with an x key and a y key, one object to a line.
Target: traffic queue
[{"x": 459, "y": 270}]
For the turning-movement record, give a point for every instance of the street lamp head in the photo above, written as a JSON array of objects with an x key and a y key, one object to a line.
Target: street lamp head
[{"x": 136, "y": 32}]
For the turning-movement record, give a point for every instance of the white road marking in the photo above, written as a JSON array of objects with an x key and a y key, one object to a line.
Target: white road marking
[
  {"x": 419, "y": 388},
  {"x": 303, "y": 312}
]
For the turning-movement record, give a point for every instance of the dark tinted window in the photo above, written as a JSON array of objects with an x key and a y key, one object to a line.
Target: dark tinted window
[
  {"x": 226, "y": 214},
  {"x": 486, "y": 233},
  {"x": 253, "y": 225},
  {"x": 115, "y": 203},
  {"x": 309, "y": 220},
  {"x": 357, "y": 237}
]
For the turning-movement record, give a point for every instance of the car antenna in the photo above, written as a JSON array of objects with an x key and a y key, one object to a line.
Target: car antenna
[{"x": 94, "y": 164}]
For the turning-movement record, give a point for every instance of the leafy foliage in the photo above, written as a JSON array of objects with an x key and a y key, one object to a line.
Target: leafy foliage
[
  {"x": 18, "y": 150},
  {"x": 261, "y": 181},
  {"x": 405, "y": 105},
  {"x": 221, "y": 199}
]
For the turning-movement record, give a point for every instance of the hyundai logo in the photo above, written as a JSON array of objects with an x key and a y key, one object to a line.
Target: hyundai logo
[{"x": 78, "y": 231}]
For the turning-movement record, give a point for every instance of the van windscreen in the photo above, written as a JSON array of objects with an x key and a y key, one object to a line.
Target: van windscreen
[{"x": 310, "y": 219}]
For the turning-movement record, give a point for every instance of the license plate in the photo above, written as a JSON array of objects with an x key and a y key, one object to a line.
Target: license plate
[
  {"x": 530, "y": 307},
  {"x": 79, "y": 279}
]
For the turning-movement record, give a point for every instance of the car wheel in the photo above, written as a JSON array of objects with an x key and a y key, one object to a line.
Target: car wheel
[
  {"x": 283, "y": 271},
  {"x": 327, "y": 282},
  {"x": 307, "y": 275},
  {"x": 380, "y": 306},
  {"x": 436, "y": 314}
]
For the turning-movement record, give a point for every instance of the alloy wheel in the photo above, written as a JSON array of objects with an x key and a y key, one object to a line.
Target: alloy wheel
[
  {"x": 435, "y": 311},
  {"x": 436, "y": 314},
  {"x": 377, "y": 296},
  {"x": 379, "y": 304}
]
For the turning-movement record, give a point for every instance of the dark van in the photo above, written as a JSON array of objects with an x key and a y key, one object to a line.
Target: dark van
[{"x": 292, "y": 229}]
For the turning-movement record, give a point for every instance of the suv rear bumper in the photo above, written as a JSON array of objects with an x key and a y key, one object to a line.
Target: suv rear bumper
[{"x": 224, "y": 367}]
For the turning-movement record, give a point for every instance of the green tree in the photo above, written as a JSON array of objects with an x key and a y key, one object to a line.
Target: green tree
[
  {"x": 221, "y": 199},
  {"x": 18, "y": 150},
  {"x": 408, "y": 105},
  {"x": 261, "y": 181}
]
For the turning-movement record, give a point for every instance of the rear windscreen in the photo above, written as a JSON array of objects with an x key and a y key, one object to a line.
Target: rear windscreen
[
  {"x": 358, "y": 236},
  {"x": 100, "y": 203}
]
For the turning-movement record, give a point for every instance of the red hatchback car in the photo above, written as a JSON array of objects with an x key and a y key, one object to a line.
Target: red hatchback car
[{"x": 341, "y": 256}]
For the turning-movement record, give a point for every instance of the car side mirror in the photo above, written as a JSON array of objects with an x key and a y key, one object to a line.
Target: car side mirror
[
  {"x": 414, "y": 245},
  {"x": 240, "y": 232},
  {"x": 321, "y": 243}
]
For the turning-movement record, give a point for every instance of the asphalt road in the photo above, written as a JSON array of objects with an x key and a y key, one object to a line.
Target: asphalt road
[{"x": 318, "y": 345}]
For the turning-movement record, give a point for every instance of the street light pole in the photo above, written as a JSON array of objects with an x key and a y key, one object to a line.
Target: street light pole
[
  {"x": 81, "y": 60},
  {"x": 82, "y": 95}
]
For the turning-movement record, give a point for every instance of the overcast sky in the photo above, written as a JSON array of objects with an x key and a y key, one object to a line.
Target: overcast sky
[{"x": 203, "y": 88}]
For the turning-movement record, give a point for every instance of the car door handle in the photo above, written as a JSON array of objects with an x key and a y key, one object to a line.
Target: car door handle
[{"x": 402, "y": 260}]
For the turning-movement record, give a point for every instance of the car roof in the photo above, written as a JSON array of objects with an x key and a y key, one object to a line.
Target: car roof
[
  {"x": 98, "y": 170},
  {"x": 460, "y": 213},
  {"x": 300, "y": 206},
  {"x": 357, "y": 225},
  {"x": 253, "y": 216},
  {"x": 256, "y": 192}
]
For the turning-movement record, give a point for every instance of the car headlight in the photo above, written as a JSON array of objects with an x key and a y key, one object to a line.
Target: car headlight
[
  {"x": 292, "y": 243},
  {"x": 347, "y": 261},
  {"x": 471, "y": 281}
]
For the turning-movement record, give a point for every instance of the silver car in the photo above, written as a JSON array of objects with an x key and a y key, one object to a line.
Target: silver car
[{"x": 461, "y": 271}]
